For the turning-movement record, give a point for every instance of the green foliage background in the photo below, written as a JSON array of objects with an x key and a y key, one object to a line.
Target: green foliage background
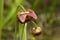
[{"x": 48, "y": 12}]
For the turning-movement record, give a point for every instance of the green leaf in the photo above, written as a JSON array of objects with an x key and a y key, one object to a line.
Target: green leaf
[{"x": 12, "y": 12}]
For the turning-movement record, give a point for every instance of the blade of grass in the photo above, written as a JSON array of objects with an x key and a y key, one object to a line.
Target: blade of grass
[
  {"x": 16, "y": 24},
  {"x": 1, "y": 16},
  {"x": 12, "y": 12}
]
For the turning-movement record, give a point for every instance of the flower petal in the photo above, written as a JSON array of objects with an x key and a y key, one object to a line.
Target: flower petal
[
  {"x": 32, "y": 14},
  {"x": 22, "y": 17}
]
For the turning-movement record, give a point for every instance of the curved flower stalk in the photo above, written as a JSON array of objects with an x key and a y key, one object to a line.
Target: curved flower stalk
[{"x": 35, "y": 31}]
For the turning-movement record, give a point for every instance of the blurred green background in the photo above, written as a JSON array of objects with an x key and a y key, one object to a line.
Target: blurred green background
[{"x": 48, "y": 12}]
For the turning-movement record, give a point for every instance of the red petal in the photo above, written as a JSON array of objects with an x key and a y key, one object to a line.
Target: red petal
[
  {"x": 22, "y": 17},
  {"x": 32, "y": 14}
]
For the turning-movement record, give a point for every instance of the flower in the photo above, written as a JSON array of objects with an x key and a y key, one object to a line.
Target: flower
[
  {"x": 26, "y": 15},
  {"x": 36, "y": 30}
]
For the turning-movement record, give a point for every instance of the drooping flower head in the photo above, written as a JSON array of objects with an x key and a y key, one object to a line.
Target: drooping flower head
[
  {"x": 26, "y": 15},
  {"x": 36, "y": 30}
]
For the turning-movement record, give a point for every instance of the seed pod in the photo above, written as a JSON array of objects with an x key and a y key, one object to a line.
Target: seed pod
[{"x": 36, "y": 30}]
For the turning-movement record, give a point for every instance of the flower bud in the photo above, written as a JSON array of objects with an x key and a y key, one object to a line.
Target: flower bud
[{"x": 36, "y": 30}]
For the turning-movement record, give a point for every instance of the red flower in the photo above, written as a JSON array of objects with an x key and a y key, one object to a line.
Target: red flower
[{"x": 26, "y": 15}]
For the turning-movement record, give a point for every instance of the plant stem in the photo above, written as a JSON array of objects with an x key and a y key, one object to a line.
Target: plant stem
[
  {"x": 21, "y": 28},
  {"x": 34, "y": 23},
  {"x": 22, "y": 7},
  {"x": 32, "y": 37},
  {"x": 23, "y": 31},
  {"x": 24, "y": 36}
]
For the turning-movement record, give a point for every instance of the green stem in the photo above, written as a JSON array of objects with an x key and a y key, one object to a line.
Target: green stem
[
  {"x": 24, "y": 36},
  {"x": 36, "y": 25},
  {"x": 22, "y": 7},
  {"x": 23, "y": 31},
  {"x": 21, "y": 28},
  {"x": 32, "y": 37}
]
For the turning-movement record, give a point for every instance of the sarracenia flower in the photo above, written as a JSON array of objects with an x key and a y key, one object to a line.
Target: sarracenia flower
[{"x": 26, "y": 15}]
